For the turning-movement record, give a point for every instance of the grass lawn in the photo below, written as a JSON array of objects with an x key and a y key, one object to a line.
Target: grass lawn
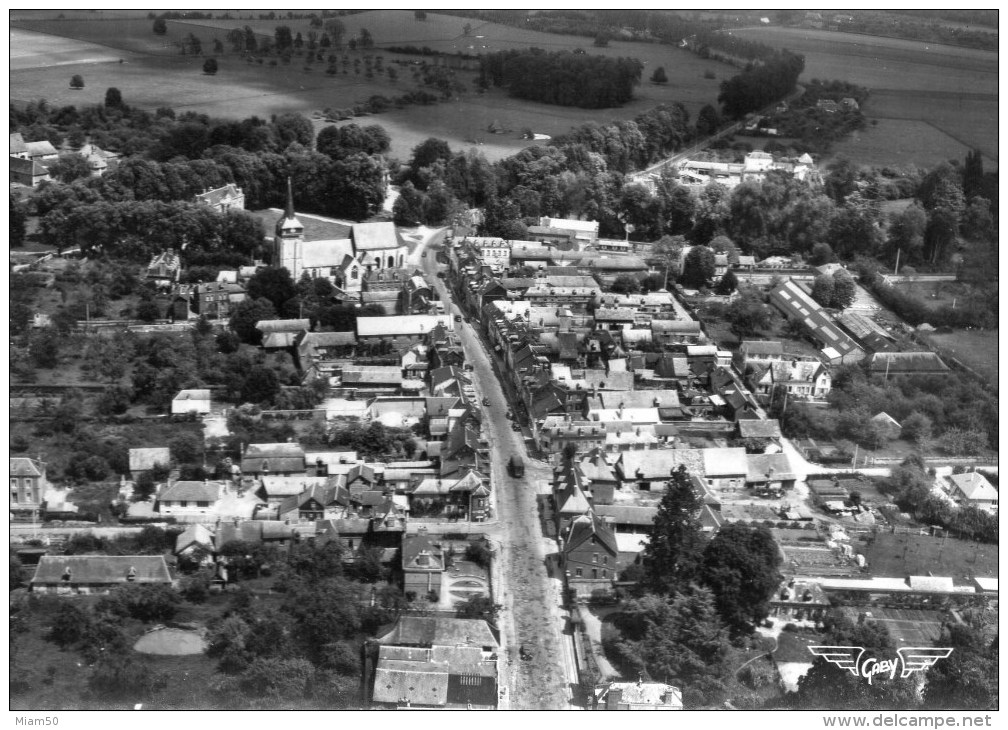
[
  {"x": 977, "y": 349},
  {"x": 932, "y": 101},
  {"x": 899, "y": 555},
  {"x": 908, "y": 626}
]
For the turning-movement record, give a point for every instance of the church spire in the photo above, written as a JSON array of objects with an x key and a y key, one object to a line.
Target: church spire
[{"x": 289, "y": 211}]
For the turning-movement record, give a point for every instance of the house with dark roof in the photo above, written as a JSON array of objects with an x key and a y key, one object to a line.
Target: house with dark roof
[
  {"x": 588, "y": 556},
  {"x": 69, "y": 574},
  {"x": 195, "y": 539},
  {"x": 318, "y": 502},
  {"x": 28, "y": 172},
  {"x": 28, "y": 484},
  {"x": 769, "y": 473},
  {"x": 164, "y": 270},
  {"x": 759, "y": 428}
]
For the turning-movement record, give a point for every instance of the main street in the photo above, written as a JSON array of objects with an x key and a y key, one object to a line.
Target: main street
[{"x": 532, "y": 616}]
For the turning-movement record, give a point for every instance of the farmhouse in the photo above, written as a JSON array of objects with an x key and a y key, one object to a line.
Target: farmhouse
[
  {"x": 190, "y": 498},
  {"x": 27, "y": 172}
]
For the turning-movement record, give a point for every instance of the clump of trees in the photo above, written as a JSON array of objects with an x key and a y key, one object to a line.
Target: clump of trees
[
  {"x": 760, "y": 85},
  {"x": 564, "y": 78}
]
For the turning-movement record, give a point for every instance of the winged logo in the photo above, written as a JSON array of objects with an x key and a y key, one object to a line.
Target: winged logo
[
  {"x": 845, "y": 657},
  {"x": 919, "y": 658}
]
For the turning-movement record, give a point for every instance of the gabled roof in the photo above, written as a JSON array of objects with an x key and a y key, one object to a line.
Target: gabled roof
[
  {"x": 409, "y": 324},
  {"x": 760, "y": 467},
  {"x": 194, "y": 535},
  {"x": 761, "y": 347},
  {"x": 27, "y": 167},
  {"x": 192, "y": 491},
  {"x": 374, "y": 236},
  {"x": 640, "y": 515},
  {"x": 326, "y": 253},
  {"x": 23, "y": 467},
  {"x": 659, "y": 463},
  {"x": 589, "y": 526},
  {"x": 193, "y": 394},
  {"x": 427, "y": 631},
  {"x": 424, "y": 684},
  {"x": 17, "y": 144},
  {"x": 296, "y": 326},
  {"x": 974, "y": 486},
  {"x": 101, "y": 569},
  {"x": 759, "y": 428},
  {"x": 906, "y": 362},
  {"x": 147, "y": 459},
  {"x": 724, "y": 461},
  {"x": 422, "y": 552},
  {"x": 218, "y": 195}
]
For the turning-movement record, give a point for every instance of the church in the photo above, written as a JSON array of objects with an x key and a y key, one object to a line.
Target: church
[{"x": 344, "y": 261}]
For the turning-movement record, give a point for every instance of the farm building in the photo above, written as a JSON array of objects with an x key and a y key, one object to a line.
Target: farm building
[
  {"x": 281, "y": 459},
  {"x": 907, "y": 363},
  {"x": 409, "y": 327},
  {"x": 223, "y": 199},
  {"x": 27, "y": 172},
  {"x": 796, "y": 304},
  {"x": 97, "y": 573}
]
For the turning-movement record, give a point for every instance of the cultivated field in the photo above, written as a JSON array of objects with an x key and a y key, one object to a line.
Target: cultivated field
[
  {"x": 900, "y": 555},
  {"x": 45, "y": 63},
  {"x": 932, "y": 101},
  {"x": 977, "y": 349}
]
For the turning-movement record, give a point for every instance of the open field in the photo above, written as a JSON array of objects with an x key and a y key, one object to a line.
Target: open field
[
  {"x": 908, "y": 626},
  {"x": 900, "y": 555},
  {"x": 954, "y": 91},
  {"x": 241, "y": 89},
  {"x": 977, "y": 349}
]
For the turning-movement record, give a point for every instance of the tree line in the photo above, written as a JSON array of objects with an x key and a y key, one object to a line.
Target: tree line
[
  {"x": 761, "y": 84},
  {"x": 563, "y": 78}
]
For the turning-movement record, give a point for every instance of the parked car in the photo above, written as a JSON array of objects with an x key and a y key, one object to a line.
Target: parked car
[
  {"x": 486, "y": 401},
  {"x": 458, "y": 317},
  {"x": 516, "y": 466}
]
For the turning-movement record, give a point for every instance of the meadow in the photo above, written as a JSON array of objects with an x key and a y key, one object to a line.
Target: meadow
[
  {"x": 899, "y": 555},
  {"x": 240, "y": 89},
  {"x": 977, "y": 349},
  {"x": 932, "y": 102}
]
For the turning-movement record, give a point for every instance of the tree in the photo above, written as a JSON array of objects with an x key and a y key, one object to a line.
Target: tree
[
  {"x": 844, "y": 289},
  {"x": 740, "y": 567},
  {"x": 917, "y": 428},
  {"x": 977, "y": 220},
  {"x": 707, "y": 121},
  {"x": 698, "y": 268},
  {"x": 118, "y": 676},
  {"x": 70, "y": 625},
  {"x": 147, "y": 310},
  {"x": 673, "y": 553},
  {"x": 967, "y": 679},
  {"x": 160, "y": 26},
  {"x": 260, "y": 386},
  {"x": 659, "y": 76},
  {"x": 728, "y": 283},
  {"x": 821, "y": 254},
  {"x": 43, "y": 347},
  {"x": 479, "y": 607},
  {"x": 747, "y": 315},
  {"x": 247, "y": 314},
  {"x": 113, "y": 98},
  {"x": 822, "y": 290},
  {"x": 625, "y": 284},
  {"x": 17, "y": 222},
  {"x": 77, "y": 82},
  {"x": 906, "y": 232},
  {"x": 272, "y": 283},
  {"x": 210, "y": 66},
  {"x": 366, "y": 41}
]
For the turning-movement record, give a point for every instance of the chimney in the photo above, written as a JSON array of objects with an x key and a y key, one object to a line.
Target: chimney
[{"x": 613, "y": 698}]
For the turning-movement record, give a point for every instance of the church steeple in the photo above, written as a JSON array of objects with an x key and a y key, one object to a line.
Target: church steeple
[{"x": 289, "y": 226}]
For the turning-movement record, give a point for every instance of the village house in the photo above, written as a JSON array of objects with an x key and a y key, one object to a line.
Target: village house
[
  {"x": 164, "y": 269},
  {"x": 72, "y": 574},
  {"x": 588, "y": 556},
  {"x": 194, "y": 400},
  {"x": 196, "y": 539},
  {"x": 281, "y": 334},
  {"x": 282, "y": 459},
  {"x": 802, "y": 378},
  {"x": 404, "y": 330},
  {"x": 190, "y": 498},
  {"x": 424, "y": 562},
  {"x": 223, "y": 199},
  {"x": 28, "y": 484},
  {"x": 216, "y": 300},
  {"x": 973, "y": 489}
]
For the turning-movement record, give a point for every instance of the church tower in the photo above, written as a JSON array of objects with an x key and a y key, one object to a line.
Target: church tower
[{"x": 288, "y": 239}]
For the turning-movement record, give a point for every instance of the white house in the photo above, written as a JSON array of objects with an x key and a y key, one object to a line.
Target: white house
[
  {"x": 191, "y": 401},
  {"x": 974, "y": 490},
  {"x": 190, "y": 498}
]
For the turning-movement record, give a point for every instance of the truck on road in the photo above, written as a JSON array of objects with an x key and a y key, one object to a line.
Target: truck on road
[{"x": 516, "y": 466}]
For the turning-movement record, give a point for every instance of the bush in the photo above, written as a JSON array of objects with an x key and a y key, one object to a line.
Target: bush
[
  {"x": 124, "y": 677},
  {"x": 144, "y": 602}
]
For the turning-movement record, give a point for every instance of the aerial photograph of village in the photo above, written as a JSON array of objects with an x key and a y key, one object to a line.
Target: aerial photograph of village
[{"x": 580, "y": 359}]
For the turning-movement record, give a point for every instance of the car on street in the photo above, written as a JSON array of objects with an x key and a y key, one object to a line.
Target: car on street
[
  {"x": 458, "y": 317},
  {"x": 486, "y": 401},
  {"x": 515, "y": 426}
]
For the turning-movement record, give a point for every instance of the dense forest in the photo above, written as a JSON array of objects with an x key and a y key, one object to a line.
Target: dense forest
[{"x": 563, "y": 78}]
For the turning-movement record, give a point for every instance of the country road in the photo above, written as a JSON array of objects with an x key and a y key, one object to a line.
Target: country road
[{"x": 532, "y": 616}]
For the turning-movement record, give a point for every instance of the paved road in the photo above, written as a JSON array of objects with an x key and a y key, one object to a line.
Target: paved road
[{"x": 532, "y": 616}]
